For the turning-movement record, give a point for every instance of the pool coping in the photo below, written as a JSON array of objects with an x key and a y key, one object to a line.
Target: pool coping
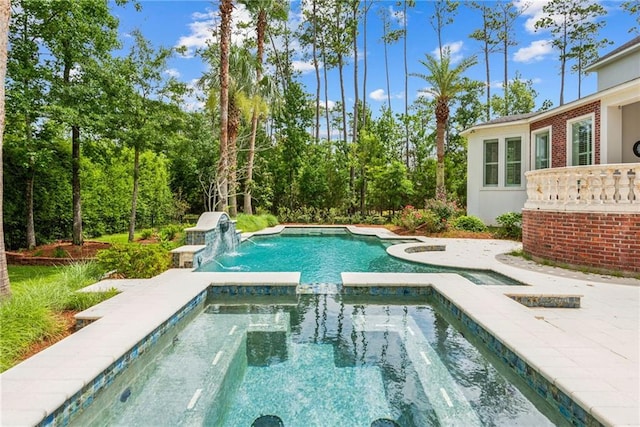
[{"x": 595, "y": 377}]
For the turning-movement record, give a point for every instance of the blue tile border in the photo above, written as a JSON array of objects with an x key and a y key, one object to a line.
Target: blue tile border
[
  {"x": 409, "y": 291},
  {"x": 255, "y": 290},
  {"x": 83, "y": 398},
  {"x": 560, "y": 401}
]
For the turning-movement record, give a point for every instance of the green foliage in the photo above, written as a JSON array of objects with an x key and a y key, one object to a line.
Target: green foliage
[
  {"x": 444, "y": 211},
  {"x": 251, "y": 223},
  {"x": 510, "y": 225},
  {"x": 412, "y": 219},
  {"x": 272, "y": 220},
  {"x": 469, "y": 223},
  {"x": 39, "y": 293},
  {"x": 134, "y": 260},
  {"x": 170, "y": 232},
  {"x": 147, "y": 233}
]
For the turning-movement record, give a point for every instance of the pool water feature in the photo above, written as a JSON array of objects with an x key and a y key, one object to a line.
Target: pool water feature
[
  {"x": 323, "y": 360},
  {"x": 322, "y": 254}
]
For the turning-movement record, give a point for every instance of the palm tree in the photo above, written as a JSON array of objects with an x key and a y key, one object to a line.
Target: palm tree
[
  {"x": 5, "y": 14},
  {"x": 226, "y": 8},
  {"x": 446, "y": 84}
]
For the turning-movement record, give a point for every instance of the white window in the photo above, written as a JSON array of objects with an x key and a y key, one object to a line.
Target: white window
[
  {"x": 542, "y": 150},
  {"x": 513, "y": 163},
  {"x": 581, "y": 141},
  {"x": 491, "y": 163}
]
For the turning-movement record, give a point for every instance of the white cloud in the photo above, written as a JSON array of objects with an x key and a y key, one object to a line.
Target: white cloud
[
  {"x": 304, "y": 67},
  {"x": 536, "y": 51},
  {"x": 203, "y": 26},
  {"x": 172, "y": 72},
  {"x": 329, "y": 103},
  {"x": 455, "y": 50},
  {"x": 380, "y": 95}
]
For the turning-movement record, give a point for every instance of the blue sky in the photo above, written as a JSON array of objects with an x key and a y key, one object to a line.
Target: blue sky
[{"x": 189, "y": 23}]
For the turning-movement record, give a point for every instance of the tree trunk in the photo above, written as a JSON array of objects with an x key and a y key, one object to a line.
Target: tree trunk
[
  {"x": 234, "y": 125},
  {"x": 317, "y": 68},
  {"x": 31, "y": 231},
  {"x": 352, "y": 171},
  {"x": 75, "y": 186},
  {"x": 326, "y": 89},
  {"x": 261, "y": 27},
  {"x": 5, "y": 14},
  {"x": 364, "y": 68},
  {"x": 505, "y": 82},
  {"x": 406, "y": 88},
  {"x": 342, "y": 97},
  {"x": 386, "y": 59},
  {"x": 134, "y": 195},
  {"x": 226, "y": 8},
  {"x": 442, "y": 115}
]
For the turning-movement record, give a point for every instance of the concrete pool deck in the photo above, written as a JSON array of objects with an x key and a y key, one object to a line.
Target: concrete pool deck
[{"x": 591, "y": 352}]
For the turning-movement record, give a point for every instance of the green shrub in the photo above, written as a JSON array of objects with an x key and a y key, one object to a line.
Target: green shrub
[
  {"x": 412, "y": 219},
  {"x": 510, "y": 225},
  {"x": 250, "y": 223},
  {"x": 272, "y": 221},
  {"x": 469, "y": 223},
  {"x": 134, "y": 260},
  {"x": 146, "y": 234},
  {"x": 169, "y": 232},
  {"x": 79, "y": 301},
  {"x": 445, "y": 211}
]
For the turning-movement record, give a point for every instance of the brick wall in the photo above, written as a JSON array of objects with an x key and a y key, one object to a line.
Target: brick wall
[
  {"x": 609, "y": 241},
  {"x": 558, "y": 125}
]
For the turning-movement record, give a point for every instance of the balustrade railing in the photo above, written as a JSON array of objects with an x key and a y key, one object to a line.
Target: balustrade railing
[{"x": 600, "y": 188}]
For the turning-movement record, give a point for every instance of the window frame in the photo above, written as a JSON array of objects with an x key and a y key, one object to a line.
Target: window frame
[
  {"x": 534, "y": 147},
  {"x": 495, "y": 164},
  {"x": 570, "y": 142},
  {"x": 507, "y": 162}
]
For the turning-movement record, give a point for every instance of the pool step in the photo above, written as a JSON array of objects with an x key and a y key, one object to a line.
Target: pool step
[
  {"x": 309, "y": 390},
  {"x": 446, "y": 398},
  {"x": 202, "y": 366}
]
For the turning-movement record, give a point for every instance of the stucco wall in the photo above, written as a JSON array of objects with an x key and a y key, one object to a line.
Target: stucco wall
[
  {"x": 630, "y": 131},
  {"x": 602, "y": 240},
  {"x": 620, "y": 71}
]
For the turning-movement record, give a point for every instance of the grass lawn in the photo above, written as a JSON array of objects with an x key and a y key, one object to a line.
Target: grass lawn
[
  {"x": 120, "y": 238},
  {"x": 34, "y": 313}
]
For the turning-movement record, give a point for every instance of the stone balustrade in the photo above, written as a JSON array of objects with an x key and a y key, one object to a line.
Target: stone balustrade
[{"x": 595, "y": 188}]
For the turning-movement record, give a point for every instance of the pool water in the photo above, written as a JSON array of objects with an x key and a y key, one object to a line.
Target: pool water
[
  {"x": 320, "y": 360},
  {"x": 322, "y": 257}
]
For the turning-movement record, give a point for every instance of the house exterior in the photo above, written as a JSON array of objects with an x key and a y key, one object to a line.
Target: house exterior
[
  {"x": 596, "y": 130},
  {"x": 573, "y": 171}
]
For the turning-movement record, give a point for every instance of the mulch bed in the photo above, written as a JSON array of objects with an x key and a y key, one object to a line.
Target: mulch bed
[{"x": 56, "y": 253}]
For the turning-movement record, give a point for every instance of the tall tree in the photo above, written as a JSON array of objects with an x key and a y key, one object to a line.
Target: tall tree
[
  {"x": 443, "y": 13},
  {"x": 26, "y": 84},
  {"x": 388, "y": 36},
  {"x": 142, "y": 86},
  {"x": 226, "y": 8},
  {"x": 564, "y": 18},
  {"x": 446, "y": 83},
  {"x": 5, "y": 16},
  {"x": 508, "y": 13},
  {"x": 487, "y": 36},
  {"x": 585, "y": 45},
  {"x": 263, "y": 10},
  {"x": 405, "y": 38},
  {"x": 76, "y": 34}
]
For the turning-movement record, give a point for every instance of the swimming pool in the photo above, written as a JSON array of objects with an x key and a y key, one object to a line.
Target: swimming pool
[
  {"x": 322, "y": 254},
  {"x": 319, "y": 360}
]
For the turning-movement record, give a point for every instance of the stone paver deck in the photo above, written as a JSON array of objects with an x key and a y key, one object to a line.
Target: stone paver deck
[{"x": 592, "y": 352}]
